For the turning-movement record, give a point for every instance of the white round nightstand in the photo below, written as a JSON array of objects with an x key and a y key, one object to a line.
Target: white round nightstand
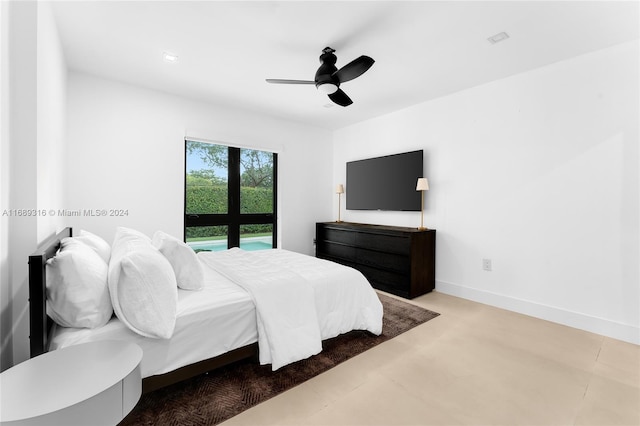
[{"x": 95, "y": 383}]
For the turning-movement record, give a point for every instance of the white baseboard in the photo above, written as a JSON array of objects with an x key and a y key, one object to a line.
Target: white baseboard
[{"x": 616, "y": 330}]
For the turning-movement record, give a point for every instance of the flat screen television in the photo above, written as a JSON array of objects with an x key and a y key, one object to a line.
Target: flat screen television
[{"x": 385, "y": 183}]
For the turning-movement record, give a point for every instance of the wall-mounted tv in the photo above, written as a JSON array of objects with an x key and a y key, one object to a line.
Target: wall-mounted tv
[{"x": 385, "y": 183}]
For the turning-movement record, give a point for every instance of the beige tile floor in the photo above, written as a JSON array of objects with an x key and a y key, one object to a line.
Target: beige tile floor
[{"x": 472, "y": 365}]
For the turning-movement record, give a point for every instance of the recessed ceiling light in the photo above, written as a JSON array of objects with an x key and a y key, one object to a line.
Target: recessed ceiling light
[
  {"x": 169, "y": 57},
  {"x": 498, "y": 38}
]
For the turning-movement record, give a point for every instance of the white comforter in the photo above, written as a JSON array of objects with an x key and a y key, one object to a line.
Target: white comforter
[{"x": 300, "y": 300}]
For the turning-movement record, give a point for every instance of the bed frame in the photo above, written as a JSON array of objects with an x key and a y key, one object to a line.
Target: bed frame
[{"x": 41, "y": 325}]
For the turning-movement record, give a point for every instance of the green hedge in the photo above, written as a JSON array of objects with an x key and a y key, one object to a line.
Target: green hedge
[
  {"x": 206, "y": 199},
  {"x": 214, "y": 200},
  {"x": 256, "y": 200},
  {"x": 205, "y": 231},
  {"x": 221, "y": 231}
]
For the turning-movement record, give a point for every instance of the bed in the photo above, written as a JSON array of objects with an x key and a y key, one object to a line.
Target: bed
[{"x": 240, "y": 312}]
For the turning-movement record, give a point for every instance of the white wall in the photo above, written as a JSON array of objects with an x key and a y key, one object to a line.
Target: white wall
[
  {"x": 6, "y": 349},
  {"x": 126, "y": 151},
  {"x": 52, "y": 120},
  {"x": 22, "y": 166},
  {"x": 537, "y": 172},
  {"x": 33, "y": 79}
]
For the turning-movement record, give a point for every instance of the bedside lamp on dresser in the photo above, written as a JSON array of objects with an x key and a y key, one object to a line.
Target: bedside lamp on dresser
[
  {"x": 339, "y": 191},
  {"x": 422, "y": 185}
]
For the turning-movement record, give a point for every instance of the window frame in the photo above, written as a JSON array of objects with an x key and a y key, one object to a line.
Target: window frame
[{"x": 233, "y": 219}]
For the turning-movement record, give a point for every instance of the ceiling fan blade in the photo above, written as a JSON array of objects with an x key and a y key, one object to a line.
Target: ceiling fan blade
[
  {"x": 353, "y": 69},
  {"x": 340, "y": 98},
  {"x": 279, "y": 81}
]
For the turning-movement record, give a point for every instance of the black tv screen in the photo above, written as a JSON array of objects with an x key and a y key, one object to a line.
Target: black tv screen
[{"x": 385, "y": 183}]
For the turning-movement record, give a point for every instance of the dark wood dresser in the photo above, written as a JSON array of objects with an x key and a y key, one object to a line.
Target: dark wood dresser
[{"x": 397, "y": 260}]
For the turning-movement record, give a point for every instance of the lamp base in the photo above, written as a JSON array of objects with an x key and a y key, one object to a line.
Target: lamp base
[
  {"x": 422, "y": 228},
  {"x": 338, "y": 221}
]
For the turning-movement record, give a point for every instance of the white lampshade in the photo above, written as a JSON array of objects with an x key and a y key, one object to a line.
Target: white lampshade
[
  {"x": 340, "y": 189},
  {"x": 422, "y": 185}
]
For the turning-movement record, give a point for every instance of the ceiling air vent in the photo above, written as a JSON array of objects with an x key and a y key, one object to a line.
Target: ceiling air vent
[{"x": 498, "y": 38}]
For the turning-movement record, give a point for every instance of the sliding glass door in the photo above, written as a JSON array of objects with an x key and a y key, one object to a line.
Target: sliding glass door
[{"x": 230, "y": 197}]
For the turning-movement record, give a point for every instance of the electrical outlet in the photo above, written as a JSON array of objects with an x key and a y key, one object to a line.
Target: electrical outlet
[{"x": 486, "y": 264}]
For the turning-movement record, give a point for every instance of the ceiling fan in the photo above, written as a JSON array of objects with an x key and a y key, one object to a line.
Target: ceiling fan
[{"x": 328, "y": 77}]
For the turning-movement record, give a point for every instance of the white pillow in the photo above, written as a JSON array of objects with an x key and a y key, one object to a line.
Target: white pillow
[
  {"x": 183, "y": 260},
  {"x": 142, "y": 285},
  {"x": 125, "y": 241},
  {"x": 124, "y": 235},
  {"x": 77, "y": 292},
  {"x": 96, "y": 243}
]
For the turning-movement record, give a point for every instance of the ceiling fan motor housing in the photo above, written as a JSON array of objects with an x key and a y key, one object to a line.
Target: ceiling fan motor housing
[{"x": 327, "y": 68}]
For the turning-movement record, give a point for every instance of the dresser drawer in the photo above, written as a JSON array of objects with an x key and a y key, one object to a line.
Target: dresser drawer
[
  {"x": 386, "y": 279},
  {"x": 392, "y": 261},
  {"x": 341, "y": 251},
  {"x": 399, "y": 244},
  {"x": 338, "y": 236}
]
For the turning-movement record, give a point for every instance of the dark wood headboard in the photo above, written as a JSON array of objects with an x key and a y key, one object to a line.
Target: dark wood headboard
[{"x": 39, "y": 323}]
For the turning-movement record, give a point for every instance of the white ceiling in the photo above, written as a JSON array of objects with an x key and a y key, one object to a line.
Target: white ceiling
[{"x": 422, "y": 49}]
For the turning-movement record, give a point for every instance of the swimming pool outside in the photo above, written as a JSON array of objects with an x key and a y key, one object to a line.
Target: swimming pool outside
[{"x": 246, "y": 243}]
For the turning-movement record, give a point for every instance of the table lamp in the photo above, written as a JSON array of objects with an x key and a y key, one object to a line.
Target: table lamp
[
  {"x": 422, "y": 185},
  {"x": 339, "y": 191}
]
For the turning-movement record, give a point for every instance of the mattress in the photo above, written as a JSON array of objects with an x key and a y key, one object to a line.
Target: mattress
[{"x": 217, "y": 319}]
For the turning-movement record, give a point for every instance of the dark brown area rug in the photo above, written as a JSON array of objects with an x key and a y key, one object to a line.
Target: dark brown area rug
[{"x": 214, "y": 397}]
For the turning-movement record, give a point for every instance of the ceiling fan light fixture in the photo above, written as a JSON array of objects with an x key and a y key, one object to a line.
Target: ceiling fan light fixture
[{"x": 327, "y": 88}]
